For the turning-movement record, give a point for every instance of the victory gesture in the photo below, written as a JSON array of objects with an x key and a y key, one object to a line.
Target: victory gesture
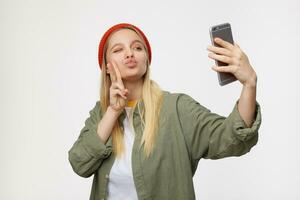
[
  {"x": 237, "y": 60},
  {"x": 117, "y": 93}
]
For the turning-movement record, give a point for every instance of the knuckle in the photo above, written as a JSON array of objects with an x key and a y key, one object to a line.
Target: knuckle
[
  {"x": 113, "y": 86},
  {"x": 118, "y": 86},
  {"x": 237, "y": 56},
  {"x": 235, "y": 69},
  {"x": 235, "y": 61},
  {"x": 239, "y": 53},
  {"x": 224, "y": 51},
  {"x": 226, "y": 59},
  {"x": 228, "y": 52}
]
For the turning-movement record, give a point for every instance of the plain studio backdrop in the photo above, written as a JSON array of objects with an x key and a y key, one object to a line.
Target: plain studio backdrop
[{"x": 50, "y": 80}]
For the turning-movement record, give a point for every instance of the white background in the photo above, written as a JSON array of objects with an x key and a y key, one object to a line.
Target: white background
[{"x": 50, "y": 80}]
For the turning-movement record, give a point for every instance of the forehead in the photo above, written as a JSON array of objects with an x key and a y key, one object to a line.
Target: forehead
[{"x": 123, "y": 35}]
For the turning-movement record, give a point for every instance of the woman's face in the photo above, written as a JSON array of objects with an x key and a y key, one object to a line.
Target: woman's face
[{"x": 127, "y": 50}]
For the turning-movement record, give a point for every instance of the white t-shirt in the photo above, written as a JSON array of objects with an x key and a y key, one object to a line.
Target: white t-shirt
[{"x": 120, "y": 184}]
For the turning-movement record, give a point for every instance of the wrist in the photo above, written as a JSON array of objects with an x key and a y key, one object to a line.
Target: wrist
[
  {"x": 115, "y": 112},
  {"x": 251, "y": 82}
]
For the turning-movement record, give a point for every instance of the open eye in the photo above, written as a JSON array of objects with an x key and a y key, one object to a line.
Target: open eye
[{"x": 138, "y": 48}]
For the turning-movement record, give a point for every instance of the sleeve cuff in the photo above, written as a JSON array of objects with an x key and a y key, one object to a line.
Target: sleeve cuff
[
  {"x": 245, "y": 133},
  {"x": 91, "y": 141},
  {"x": 95, "y": 147}
]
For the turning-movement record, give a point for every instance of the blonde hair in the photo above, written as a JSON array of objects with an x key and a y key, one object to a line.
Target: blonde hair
[{"x": 152, "y": 97}]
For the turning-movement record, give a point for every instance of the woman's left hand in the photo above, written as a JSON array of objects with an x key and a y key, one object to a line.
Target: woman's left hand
[{"x": 237, "y": 60}]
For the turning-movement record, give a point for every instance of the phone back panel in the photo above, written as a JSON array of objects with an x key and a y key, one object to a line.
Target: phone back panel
[{"x": 222, "y": 31}]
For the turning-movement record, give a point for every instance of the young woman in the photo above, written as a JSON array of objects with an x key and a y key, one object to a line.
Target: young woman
[{"x": 141, "y": 142}]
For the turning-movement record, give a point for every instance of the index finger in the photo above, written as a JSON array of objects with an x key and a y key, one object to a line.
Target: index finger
[
  {"x": 112, "y": 72},
  {"x": 223, "y": 43},
  {"x": 118, "y": 75}
]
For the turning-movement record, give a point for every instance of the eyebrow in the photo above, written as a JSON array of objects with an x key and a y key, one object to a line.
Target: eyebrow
[{"x": 134, "y": 41}]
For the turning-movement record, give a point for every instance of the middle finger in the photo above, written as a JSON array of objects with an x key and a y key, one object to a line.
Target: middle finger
[
  {"x": 221, "y": 58},
  {"x": 118, "y": 75},
  {"x": 112, "y": 73},
  {"x": 219, "y": 50}
]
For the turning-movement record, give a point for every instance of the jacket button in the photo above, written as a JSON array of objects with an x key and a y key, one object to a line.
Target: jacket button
[{"x": 106, "y": 176}]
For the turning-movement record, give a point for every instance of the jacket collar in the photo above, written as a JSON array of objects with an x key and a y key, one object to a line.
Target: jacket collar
[{"x": 139, "y": 104}]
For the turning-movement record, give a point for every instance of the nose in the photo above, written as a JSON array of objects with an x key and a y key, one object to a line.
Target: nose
[{"x": 129, "y": 53}]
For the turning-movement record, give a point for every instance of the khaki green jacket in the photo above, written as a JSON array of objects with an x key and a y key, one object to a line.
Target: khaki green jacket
[{"x": 187, "y": 132}]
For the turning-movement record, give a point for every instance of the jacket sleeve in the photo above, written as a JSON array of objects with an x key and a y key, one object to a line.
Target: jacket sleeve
[
  {"x": 88, "y": 151},
  {"x": 212, "y": 136}
]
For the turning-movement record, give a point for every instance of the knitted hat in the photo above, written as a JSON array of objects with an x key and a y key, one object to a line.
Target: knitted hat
[{"x": 114, "y": 28}]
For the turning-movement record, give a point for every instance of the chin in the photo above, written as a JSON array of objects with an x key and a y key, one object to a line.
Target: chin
[{"x": 133, "y": 77}]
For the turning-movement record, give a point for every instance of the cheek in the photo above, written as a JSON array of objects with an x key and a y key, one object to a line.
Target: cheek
[
  {"x": 110, "y": 57},
  {"x": 143, "y": 57},
  {"x": 145, "y": 66},
  {"x": 115, "y": 58}
]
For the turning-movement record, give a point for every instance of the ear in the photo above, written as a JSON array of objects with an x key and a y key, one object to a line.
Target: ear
[{"x": 106, "y": 69}]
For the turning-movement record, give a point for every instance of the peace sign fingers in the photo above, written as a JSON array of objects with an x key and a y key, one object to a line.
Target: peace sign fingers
[
  {"x": 117, "y": 85},
  {"x": 112, "y": 73},
  {"x": 117, "y": 75}
]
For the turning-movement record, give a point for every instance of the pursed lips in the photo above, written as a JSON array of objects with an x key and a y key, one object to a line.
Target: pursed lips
[{"x": 131, "y": 62}]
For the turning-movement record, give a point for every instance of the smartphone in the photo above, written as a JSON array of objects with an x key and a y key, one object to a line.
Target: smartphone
[{"x": 224, "y": 32}]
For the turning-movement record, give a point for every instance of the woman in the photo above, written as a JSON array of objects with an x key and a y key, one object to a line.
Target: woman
[{"x": 144, "y": 143}]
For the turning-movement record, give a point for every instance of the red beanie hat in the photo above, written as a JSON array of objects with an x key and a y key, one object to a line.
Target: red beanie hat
[{"x": 116, "y": 27}]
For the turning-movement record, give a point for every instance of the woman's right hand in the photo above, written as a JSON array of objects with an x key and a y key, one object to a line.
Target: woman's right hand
[{"x": 117, "y": 92}]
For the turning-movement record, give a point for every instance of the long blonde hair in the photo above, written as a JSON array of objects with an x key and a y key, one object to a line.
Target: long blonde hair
[{"x": 152, "y": 97}]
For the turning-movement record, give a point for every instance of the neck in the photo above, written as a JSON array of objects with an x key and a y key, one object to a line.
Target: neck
[{"x": 135, "y": 89}]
